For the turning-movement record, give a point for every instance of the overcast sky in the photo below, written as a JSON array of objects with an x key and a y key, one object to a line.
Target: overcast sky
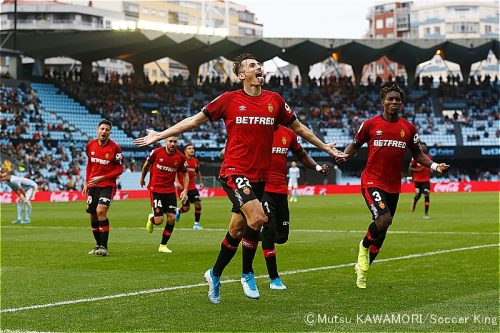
[{"x": 311, "y": 18}]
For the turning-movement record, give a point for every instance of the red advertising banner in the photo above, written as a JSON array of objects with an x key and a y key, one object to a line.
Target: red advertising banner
[{"x": 308, "y": 190}]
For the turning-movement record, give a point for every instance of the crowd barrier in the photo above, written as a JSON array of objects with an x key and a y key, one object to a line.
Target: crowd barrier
[{"x": 306, "y": 190}]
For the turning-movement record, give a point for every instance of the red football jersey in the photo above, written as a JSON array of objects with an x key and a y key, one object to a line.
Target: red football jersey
[
  {"x": 250, "y": 123},
  {"x": 163, "y": 169},
  {"x": 192, "y": 166},
  {"x": 423, "y": 174},
  {"x": 387, "y": 144},
  {"x": 284, "y": 140},
  {"x": 103, "y": 161}
]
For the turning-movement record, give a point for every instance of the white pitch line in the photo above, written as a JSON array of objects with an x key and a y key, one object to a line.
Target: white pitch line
[
  {"x": 190, "y": 286},
  {"x": 415, "y": 232}
]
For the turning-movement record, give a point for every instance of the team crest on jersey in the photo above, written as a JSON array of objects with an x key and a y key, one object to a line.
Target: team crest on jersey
[
  {"x": 176, "y": 163},
  {"x": 242, "y": 108},
  {"x": 161, "y": 159},
  {"x": 106, "y": 156},
  {"x": 283, "y": 140},
  {"x": 378, "y": 133},
  {"x": 270, "y": 108},
  {"x": 92, "y": 153},
  {"x": 402, "y": 133},
  {"x": 381, "y": 205}
]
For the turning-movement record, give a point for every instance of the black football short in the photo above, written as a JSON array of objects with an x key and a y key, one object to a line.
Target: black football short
[
  {"x": 422, "y": 187},
  {"x": 240, "y": 190},
  {"x": 99, "y": 196},
  {"x": 193, "y": 196},
  {"x": 163, "y": 203},
  {"x": 276, "y": 207},
  {"x": 380, "y": 202}
]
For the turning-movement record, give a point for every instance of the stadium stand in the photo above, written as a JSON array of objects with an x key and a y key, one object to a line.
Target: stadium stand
[
  {"x": 82, "y": 124},
  {"x": 56, "y": 120}
]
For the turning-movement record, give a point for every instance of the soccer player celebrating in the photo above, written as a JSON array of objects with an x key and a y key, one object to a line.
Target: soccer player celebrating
[
  {"x": 250, "y": 116},
  {"x": 293, "y": 181},
  {"x": 164, "y": 163},
  {"x": 421, "y": 176},
  {"x": 275, "y": 201},
  {"x": 388, "y": 136},
  {"x": 25, "y": 190},
  {"x": 104, "y": 166},
  {"x": 193, "y": 196}
]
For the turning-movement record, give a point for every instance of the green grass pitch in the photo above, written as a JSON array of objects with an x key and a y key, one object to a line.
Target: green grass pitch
[{"x": 433, "y": 275}]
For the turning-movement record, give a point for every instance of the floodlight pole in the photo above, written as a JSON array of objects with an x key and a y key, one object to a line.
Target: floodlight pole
[{"x": 15, "y": 25}]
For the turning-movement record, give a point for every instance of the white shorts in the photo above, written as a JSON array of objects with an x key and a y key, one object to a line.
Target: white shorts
[
  {"x": 30, "y": 194},
  {"x": 292, "y": 183}
]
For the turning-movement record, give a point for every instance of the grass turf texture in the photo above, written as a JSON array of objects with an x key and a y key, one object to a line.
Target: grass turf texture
[{"x": 46, "y": 262}]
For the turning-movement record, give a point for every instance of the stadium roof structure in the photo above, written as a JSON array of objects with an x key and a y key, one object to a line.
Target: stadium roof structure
[{"x": 142, "y": 46}]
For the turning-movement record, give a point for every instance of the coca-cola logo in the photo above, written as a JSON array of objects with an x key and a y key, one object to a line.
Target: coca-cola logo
[
  {"x": 59, "y": 197},
  {"x": 206, "y": 193},
  {"x": 447, "y": 187},
  {"x": 307, "y": 190},
  {"x": 6, "y": 198}
]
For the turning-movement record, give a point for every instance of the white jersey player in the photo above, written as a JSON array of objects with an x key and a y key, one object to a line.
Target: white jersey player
[
  {"x": 293, "y": 181},
  {"x": 25, "y": 189}
]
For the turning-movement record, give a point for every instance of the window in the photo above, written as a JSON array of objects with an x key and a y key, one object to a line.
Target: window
[
  {"x": 153, "y": 12},
  {"x": 487, "y": 29},
  {"x": 154, "y": 72},
  {"x": 161, "y": 13},
  {"x": 389, "y": 22},
  {"x": 380, "y": 68},
  {"x": 145, "y": 11},
  {"x": 437, "y": 31},
  {"x": 130, "y": 7},
  {"x": 190, "y": 4},
  {"x": 183, "y": 18},
  {"x": 379, "y": 24},
  {"x": 246, "y": 16},
  {"x": 247, "y": 32},
  {"x": 464, "y": 27},
  {"x": 427, "y": 31},
  {"x": 389, "y": 35}
]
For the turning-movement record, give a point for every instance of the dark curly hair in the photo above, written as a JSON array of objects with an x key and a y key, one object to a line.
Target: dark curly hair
[
  {"x": 391, "y": 86},
  {"x": 239, "y": 59}
]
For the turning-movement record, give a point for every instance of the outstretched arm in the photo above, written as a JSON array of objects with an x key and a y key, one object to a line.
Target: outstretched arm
[
  {"x": 349, "y": 152},
  {"x": 309, "y": 136},
  {"x": 182, "y": 126},
  {"x": 310, "y": 163},
  {"x": 422, "y": 159}
]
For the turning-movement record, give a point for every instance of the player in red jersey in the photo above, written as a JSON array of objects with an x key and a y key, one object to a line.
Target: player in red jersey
[
  {"x": 421, "y": 176},
  {"x": 275, "y": 199},
  {"x": 388, "y": 136},
  {"x": 164, "y": 163},
  {"x": 250, "y": 116},
  {"x": 193, "y": 168},
  {"x": 104, "y": 166}
]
